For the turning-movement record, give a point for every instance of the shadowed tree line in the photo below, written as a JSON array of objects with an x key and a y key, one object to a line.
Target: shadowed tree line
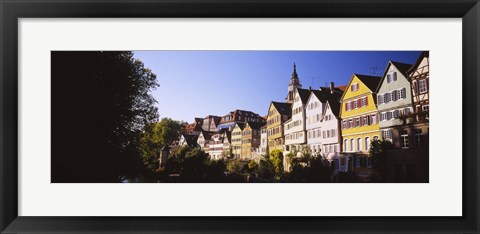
[{"x": 101, "y": 103}]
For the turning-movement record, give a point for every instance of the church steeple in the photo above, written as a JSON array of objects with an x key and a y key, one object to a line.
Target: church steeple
[
  {"x": 294, "y": 84},
  {"x": 295, "y": 78}
]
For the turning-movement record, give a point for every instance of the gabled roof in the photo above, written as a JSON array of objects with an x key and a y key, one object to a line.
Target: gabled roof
[
  {"x": 228, "y": 134},
  {"x": 419, "y": 60},
  {"x": 283, "y": 108},
  {"x": 334, "y": 103},
  {"x": 370, "y": 81},
  {"x": 190, "y": 139},
  {"x": 207, "y": 135},
  {"x": 321, "y": 95},
  {"x": 255, "y": 125},
  {"x": 304, "y": 94},
  {"x": 240, "y": 125},
  {"x": 401, "y": 67}
]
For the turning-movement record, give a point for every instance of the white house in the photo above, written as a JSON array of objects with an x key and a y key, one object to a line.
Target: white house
[
  {"x": 330, "y": 130},
  {"x": 215, "y": 149},
  {"x": 295, "y": 134},
  {"x": 313, "y": 112}
]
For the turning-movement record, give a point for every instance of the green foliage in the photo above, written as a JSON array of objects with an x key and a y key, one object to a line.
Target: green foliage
[
  {"x": 310, "y": 169},
  {"x": 194, "y": 165},
  {"x": 265, "y": 169},
  {"x": 252, "y": 166},
  {"x": 154, "y": 137},
  {"x": 276, "y": 158},
  {"x": 234, "y": 166}
]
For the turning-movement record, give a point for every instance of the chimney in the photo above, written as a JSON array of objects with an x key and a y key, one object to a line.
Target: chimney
[
  {"x": 309, "y": 88},
  {"x": 332, "y": 85}
]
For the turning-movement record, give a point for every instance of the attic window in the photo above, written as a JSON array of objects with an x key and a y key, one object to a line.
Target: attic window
[{"x": 354, "y": 87}]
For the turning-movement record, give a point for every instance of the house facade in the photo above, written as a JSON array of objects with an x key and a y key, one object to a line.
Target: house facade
[
  {"x": 395, "y": 104},
  {"x": 278, "y": 113},
  {"x": 360, "y": 125},
  {"x": 330, "y": 131},
  {"x": 250, "y": 140},
  {"x": 215, "y": 149},
  {"x": 295, "y": 132},
  {"x": 237, "y": 140},
  {"x": 203, "y": 139}
]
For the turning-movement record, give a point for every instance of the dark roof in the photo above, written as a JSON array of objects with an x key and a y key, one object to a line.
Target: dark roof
[
  {"x": 402, "y": 67},
  {"x": 241, "y": 125},
  {"x": 321, "y": 95},
  {"x": 334, "y": 103},
  {"x": 304, "y": 94},
  {"x": 229, "y": 136},
  {"x": 207, "y": 134},
  {"x": 191, "y": 139},
  {"x": 283, "y": 108},
  {"x": 370, "y": 81},
  {"x": 255, "y": 125},
  {"x": 419, "y": 60}
]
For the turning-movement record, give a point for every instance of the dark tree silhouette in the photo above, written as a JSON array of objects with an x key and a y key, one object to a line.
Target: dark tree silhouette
[{"x": 100, "y": 104}]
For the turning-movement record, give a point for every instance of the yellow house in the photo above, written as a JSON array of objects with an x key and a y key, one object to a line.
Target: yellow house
[
  {"x": 278, "y": 113},
  {"x": 359, "y": 120},
  {"x": 237, "y": 139}
]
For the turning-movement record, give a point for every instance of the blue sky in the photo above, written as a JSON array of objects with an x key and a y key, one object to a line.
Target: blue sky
[{"x": 200, "y": 83}]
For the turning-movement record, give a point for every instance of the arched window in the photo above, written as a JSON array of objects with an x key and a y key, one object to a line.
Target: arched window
[
  {"x": 345, "y": 142},
  {"x": 359, "y": 144},
  {"x": 351, "y": 144}
]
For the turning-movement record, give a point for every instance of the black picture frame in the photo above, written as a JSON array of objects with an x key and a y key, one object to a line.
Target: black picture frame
[{"x": 11, "y": 11}]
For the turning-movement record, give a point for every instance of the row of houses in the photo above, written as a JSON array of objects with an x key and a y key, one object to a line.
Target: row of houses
[{"x": 337, "y": 123}]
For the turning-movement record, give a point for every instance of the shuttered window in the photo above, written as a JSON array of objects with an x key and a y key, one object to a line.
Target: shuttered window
[{"x": 380, "y": 99}]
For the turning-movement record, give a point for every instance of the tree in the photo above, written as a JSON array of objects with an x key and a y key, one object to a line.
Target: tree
[
  {"x": 234, "y": 166},
  {"x": 155, "y": 136},
  {"x": 252, "y": 166},
  {"x": 378, "y": 156},
  {"x": 101, "y": 102},
  {"x": 276, "y": 157}
]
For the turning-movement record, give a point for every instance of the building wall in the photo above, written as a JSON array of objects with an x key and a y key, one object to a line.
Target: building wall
[
  {"x": 402, "y": 106},
  {"x": 237, "y": 142},
  {"x": 275, "y": 129},
  {"x": 422, "y": 72},
  {"x": 330, "y": 134},
  {"x": 369, "y": 111},
  {"x": 313, "y": 115},
  {"x": 295, "y": 128}
]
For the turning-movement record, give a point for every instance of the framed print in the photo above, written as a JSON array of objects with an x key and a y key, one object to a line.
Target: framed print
[{"x": 267, "y": 116}]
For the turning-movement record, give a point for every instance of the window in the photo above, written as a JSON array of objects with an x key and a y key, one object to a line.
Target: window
[
  {"x": 389, "y": 78},
  {"x": 365, "y": 120},
  {"x": 345, "y": 142},
  {"x": 364, "y": 101},
  {"x": 389, "y": 115},
  {"x": 359, "y": 144},
  {"x": 387, "y": 134},
  {"x": 375, "y": 138},
  {"x": 357, "y": 122},
  {"x": 418, "y": 138},
  {"x": 422, "y": 86},
  {"x": 403, "y": 93},
  {"x": 394, "y": 76},
  {"x": 347, "y": 106},
  {"x": 351, "y": 144},
  {"x": 354, "y": 87},
  {"x": 382, "y": 116},
  {"x": 396, "y": 114},
  {"x": 374, "y": 119},
  {"x": 354, "y": 104},
  {"x": 404, "y": 139},
  {"x": 406, "y": 111},
  {"x": 367, "y": 143},
  {"x": 380, "y": 99},
  {"x": 394, "y": 96},
  {"x": 387, "y": 97}
]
